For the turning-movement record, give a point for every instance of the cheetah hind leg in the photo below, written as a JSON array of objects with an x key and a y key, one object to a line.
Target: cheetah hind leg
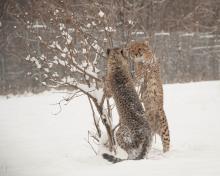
[{"x": 164, "y": 132}]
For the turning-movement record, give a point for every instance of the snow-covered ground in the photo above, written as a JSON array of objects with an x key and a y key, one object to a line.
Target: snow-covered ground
[{"x": 34, "y": 142}]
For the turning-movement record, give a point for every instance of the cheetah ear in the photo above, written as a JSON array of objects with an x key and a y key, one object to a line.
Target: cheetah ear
[
  {"x": 125, "y": 52},
  {"x": 146, "y": 42},
  {"x": 108, "y": 51},
  {"x": 122, "y": 52}
]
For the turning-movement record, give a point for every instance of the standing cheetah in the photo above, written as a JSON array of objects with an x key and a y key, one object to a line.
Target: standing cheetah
[
  {"x": 134, "y": 134},
  {"x": 147, "y": 69}
]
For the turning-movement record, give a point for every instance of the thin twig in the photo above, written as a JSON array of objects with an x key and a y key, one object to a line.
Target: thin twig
[
  {"x": 95, "y": 122},
  {"x": 91, "y": 144}
]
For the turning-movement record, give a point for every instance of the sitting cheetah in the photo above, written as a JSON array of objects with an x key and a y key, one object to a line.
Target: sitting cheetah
[
  {"x": 147, "y": 69},
  {"x": 134, "y": 134}
]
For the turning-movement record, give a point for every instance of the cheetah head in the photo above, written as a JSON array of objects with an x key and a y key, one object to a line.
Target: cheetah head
[
  {"x": 116, "y": 57},
  {"x": 140, "y": 52}
]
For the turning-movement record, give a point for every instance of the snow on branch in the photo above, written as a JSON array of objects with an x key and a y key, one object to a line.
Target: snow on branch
[{"x": 69, "y": 52}]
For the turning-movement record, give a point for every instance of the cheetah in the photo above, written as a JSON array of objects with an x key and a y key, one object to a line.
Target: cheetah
[
  {"x": 147, "y": 74},
  {"x": 134, "y": 134}
]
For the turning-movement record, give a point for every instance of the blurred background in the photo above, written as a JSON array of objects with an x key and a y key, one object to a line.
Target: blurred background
[{"x": 185, "y": 36}]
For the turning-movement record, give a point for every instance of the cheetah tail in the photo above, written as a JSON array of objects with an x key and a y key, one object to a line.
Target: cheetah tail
[{"x": 111, "y": 158}]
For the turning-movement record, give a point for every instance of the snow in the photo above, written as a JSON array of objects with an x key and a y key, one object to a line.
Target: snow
[
  {"x": 42, "y": 57},
  {"x": 46, "y": 70},
  {"x": 101, "y": 13},
  {"x": 56, "y": 12},
  {"x": 68, "y": 79},
  {"x": 50, "y": 65},
  {"x": 98, "y": 94},
  {"x": 62, "y": 26},
  {"x": 88, "y": 25},
  {"x": 61, "y": 62},
  {"x": 84, "y": 51},
  {"x": 55, "y": 74},
  {"x": 40, "y": 38},
  {"x": 58, "y": 46},
  {"x": 191, "y": 34},
  {"x": 33, "y": 59},
  {"x": 34, "y": 142},
  {"x": 137, "y": 33},
  {"x": 65, "y": 50},
  {"x": 162, "y": 34},
  {"x": 131, "y": 22},
  {"x": 63, "y": 55},
  {"x": 206, "y": 47},
  {"x": 207, "y": 36},
  {"x": 28, "y": 57},
  {"x": 110, "y": 29},
  {"x": 68, "y": 37},
  {"x": 71, "y": 30},
  {"x": 39, "y": 26}
]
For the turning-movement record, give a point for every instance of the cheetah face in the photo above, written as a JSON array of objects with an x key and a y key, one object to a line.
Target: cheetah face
[{"x": 140, "y": 52}]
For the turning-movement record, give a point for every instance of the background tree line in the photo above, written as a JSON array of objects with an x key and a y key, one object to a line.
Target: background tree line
[{"x": 185, "y": 35}]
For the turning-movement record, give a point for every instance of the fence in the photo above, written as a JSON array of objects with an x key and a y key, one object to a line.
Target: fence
[{"x": 184, "y": 57}]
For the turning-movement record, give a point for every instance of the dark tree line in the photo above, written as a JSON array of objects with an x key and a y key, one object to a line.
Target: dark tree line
[{"x": 184, "y": 35}]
